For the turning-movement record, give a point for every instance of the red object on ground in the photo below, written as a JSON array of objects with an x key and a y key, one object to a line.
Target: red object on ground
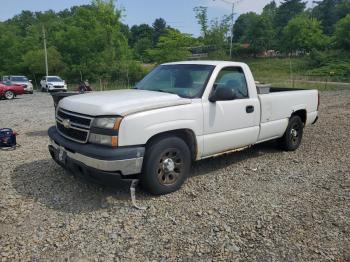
[{"x": 15, "y": 89}]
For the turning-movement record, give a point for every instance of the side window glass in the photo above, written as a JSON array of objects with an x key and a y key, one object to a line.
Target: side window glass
[{"x": 233, "y": 78}]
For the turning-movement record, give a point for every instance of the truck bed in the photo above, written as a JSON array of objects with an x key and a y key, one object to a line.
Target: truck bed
[
  {"x": 284, "y": 89},
  {"x": 279, "y": 104}
]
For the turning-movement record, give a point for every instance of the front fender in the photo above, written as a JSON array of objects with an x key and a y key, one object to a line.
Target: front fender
[{"x": 138, "y": 128}]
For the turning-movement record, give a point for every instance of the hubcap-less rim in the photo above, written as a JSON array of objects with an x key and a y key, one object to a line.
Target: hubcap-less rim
[
  {"x": 294, "y": 134},
  {"x": 170, "y": 167},
  {"x": 9, "y": 95}
]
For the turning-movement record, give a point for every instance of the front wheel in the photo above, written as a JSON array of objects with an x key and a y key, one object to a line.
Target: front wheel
[
  {"x": 291, "y": 139},
  {"x": 9, "y": 95},
  {"x": 167, "y": 165}
]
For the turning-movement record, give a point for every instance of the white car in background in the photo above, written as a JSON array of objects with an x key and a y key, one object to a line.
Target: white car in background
[
  {"x": 52, "y": 84},
  {"x": 20, "y": 80}
]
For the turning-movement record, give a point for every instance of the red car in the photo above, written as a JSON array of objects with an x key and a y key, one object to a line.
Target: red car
[{"x": 10, "y": 91}]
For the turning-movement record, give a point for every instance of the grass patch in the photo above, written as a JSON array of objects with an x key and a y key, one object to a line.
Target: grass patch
[
  {"x": 276, "y": 68},
  {"x": 294, "y": 72}
]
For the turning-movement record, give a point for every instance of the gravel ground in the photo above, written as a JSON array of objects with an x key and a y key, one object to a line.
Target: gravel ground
[{"x": 257, "y": 205}]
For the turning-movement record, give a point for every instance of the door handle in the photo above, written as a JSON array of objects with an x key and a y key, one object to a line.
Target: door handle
[{"x": 249, "y": 109}]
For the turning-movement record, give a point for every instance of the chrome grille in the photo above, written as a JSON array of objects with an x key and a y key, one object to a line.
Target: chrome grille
[{"x": 73, "y": 126}]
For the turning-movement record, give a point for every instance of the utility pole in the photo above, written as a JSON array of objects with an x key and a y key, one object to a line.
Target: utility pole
[
  {"x": 45, "y": 51},
  {"x": 233, "y": 3},
  {"x": 232, "y": 24}
]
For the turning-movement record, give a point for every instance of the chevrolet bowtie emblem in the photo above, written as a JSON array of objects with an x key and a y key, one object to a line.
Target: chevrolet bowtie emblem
[{"x": 66, "y": 123}]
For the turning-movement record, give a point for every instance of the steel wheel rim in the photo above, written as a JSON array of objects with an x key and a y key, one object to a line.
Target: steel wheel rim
[
  {"x": 170, "y": 167},
  {"x": 295, "y": 134},
  {"x": 9, "y": 95}
]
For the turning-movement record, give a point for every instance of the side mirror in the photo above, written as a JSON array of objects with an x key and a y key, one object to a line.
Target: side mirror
[
  {"x": 29, "y": 80},
  {"x": 222, "y": 94}
]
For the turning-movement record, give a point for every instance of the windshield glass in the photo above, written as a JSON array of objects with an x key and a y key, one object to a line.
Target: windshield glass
[
  {"x": 54, "y": 79},
  {"x": 181, "y": 79},
  {"x": 19, "y": 79}
]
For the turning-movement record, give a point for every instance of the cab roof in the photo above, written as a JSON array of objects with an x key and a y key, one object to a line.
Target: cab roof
[{"x": 206, "y": 62}]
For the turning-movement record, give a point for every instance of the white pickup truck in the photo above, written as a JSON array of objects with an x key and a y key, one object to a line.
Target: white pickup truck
[{"x": 180, "y": 112}]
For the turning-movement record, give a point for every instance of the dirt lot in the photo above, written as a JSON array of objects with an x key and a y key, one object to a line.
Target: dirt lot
[{"x": 258, "y": 205}]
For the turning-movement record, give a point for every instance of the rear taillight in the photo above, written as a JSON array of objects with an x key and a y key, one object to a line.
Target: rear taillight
[{"x": 319, "y": 100}]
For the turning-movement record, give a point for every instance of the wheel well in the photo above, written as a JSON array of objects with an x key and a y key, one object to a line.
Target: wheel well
[
  {"x": 185, "y": 134},
  {"x": 301, "y": 114}
]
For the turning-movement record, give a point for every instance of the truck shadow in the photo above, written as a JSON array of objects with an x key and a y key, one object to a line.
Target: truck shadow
[{"x": 49, "y": 184}]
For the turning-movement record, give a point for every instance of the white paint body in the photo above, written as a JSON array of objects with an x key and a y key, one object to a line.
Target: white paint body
[
  {"x": 218, "y": 127},
  {"x": 51, "y": 86}
]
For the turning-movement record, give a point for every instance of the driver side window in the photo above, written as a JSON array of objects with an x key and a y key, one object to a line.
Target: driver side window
[{"x": 233, "y": 78}]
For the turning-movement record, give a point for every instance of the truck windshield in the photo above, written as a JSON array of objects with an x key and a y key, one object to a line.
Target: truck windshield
[
  {"x": 19, "y": 79},
  {"x": 184, "y": 80}
]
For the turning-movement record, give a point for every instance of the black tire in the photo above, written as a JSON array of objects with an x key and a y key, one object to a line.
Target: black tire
[
  {"x": 291, "y": 139},
  {"x": 9, "y": 95},
  {"x": 166, "y": 166}
]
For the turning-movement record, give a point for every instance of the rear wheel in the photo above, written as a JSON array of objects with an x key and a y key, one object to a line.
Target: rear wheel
[
  {"x": 292, "y": 137},
  {"x": 167, "y": 165},
  {"x": 9, "y": 95}
]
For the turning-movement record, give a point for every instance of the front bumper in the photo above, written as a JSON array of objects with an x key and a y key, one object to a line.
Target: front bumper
[
  {"x": 124, "y": 161},
  {"x": 28, "y": 89},
  {"x": 57, "y": 89}
]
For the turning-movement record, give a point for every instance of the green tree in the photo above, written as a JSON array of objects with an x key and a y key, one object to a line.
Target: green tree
[
  {"x": 159, "y": 27},
  {"x": 34, "y": 61},
  {"x": 141, "y": 47},
  {"x": 214, "y": 34},
  {"x": 255, "y": 30},
  {"x": 138, "y": 32},
  {"x": 303, "y": 34},
  {"x": 286, "y": 11},
  {"x": 342, "y": 33},
  {"x": 241, "y": 26},
  {"x": 259, "y": 34},
  {"x": 201, "y": 13},
  {"x": 218, "y": 37},
  {"x": 329, "y": 12},
  {"x": 91, "y": 41},
  {"x": 173, "y": 46},
  {"x": 269, "y": 10}
]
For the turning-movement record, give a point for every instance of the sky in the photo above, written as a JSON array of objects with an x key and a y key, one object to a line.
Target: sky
[{"x": 177, "y": 13}]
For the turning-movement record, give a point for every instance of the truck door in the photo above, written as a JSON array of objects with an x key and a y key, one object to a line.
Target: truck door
[{"x": 230, "y": 124}]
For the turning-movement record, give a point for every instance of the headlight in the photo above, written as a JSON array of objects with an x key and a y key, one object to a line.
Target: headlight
[
  {"x": 105, "y": 140},
  {"x": 104, "y": 131},
  {"x": 107, "y": 123}
]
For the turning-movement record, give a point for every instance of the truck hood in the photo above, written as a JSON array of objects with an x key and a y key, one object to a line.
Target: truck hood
[{"x": 120, "y": 102}]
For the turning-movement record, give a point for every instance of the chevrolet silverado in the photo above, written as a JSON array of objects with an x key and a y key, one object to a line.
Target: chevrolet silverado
[{"x": 179, "y": 113}]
